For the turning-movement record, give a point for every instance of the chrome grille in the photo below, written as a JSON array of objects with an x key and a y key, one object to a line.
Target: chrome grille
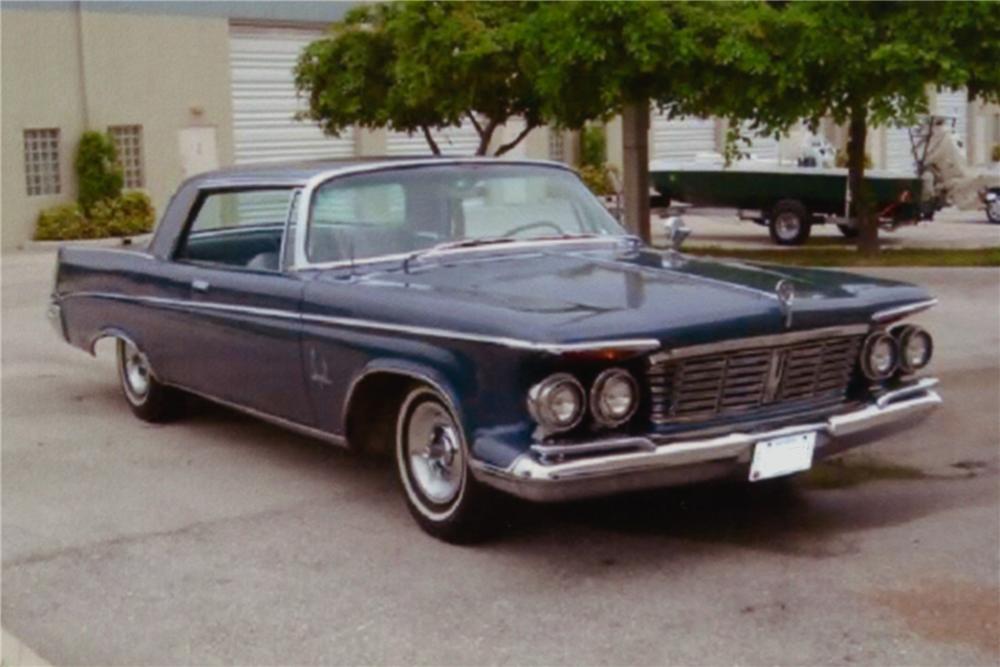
[{"x": 810, "y": 373}]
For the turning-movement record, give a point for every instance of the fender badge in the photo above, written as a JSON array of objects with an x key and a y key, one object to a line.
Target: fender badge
[{"x": 786, "y": 297}]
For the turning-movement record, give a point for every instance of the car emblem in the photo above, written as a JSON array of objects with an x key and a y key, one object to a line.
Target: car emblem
[{"x": 786, "y": 297}]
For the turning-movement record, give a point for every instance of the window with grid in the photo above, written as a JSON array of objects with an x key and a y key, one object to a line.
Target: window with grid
[
  {"x": 557, "y": 147},
  {"x": 128, "y": 143},
  {"x": 41, "y": 161}
]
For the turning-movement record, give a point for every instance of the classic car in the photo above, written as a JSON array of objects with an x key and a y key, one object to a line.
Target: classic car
[{"x": 491, "y": 326}]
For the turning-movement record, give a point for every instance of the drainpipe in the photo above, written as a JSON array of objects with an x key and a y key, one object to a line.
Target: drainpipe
[{"x": 84, "y": 103}]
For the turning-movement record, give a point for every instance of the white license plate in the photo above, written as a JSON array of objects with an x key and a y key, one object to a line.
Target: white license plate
[{"x": 782, "y": 456}]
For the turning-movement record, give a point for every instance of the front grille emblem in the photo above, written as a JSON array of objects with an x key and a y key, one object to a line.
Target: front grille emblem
[
  {"x": 786, "y": 297},
  {"x": 774, "y": 372}
]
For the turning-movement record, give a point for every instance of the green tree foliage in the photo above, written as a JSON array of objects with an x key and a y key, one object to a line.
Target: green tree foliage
[
  {"x": 862, "y": 64},
  {"x": 98, "y": 173},
  {"x": 422, "y": 66}
]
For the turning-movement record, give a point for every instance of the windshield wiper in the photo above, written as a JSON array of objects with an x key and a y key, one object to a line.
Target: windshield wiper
[{"x": 454, "y": 245}]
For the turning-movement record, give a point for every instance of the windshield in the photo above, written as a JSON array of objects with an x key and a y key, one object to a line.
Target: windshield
[{"x": 405, "y": 210}]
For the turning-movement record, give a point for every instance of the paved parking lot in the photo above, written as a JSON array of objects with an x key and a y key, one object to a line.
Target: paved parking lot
[{"x": 219, "y": 539}]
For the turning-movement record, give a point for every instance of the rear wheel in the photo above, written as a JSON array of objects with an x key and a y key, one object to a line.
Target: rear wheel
[
  {"x": 433, "y": 463},
  {"x": 993, "y": 210},
  {"x": 148, "y": 399},
  {"x": 789, "y": 223}
]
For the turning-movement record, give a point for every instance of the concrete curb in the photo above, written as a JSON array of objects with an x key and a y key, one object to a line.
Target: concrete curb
[{"x": 15, "y": 654}]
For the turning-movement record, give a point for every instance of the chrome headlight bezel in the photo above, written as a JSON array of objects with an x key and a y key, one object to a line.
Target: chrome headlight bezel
[
  {"x": 867, "y": 366},
  {"x": 904, "y": 336},
  {"x": 541, "y": 411},
  {"x": 597, "y": 393}
]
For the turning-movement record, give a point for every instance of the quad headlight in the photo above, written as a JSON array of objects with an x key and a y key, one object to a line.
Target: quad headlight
[
  {"x": 557, "y": 402},
  {"x": 614, "y": 397},
  {"x": 915, "y": 347},
  {"x": 879, "y": 356}
]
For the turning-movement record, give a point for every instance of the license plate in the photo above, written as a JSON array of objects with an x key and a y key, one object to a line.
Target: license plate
[{"x": 782, "y": 456}]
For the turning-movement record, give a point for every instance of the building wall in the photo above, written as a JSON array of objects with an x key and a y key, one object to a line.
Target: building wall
[
  {"x": 41, "y": 89},
  {"x": 79, "y": 70}
]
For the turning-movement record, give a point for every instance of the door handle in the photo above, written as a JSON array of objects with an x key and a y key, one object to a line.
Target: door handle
[{"x": 200, "y": 285}]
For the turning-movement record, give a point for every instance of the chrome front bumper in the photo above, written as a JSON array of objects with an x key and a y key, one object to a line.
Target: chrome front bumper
[{"x": 629, "y": 464}]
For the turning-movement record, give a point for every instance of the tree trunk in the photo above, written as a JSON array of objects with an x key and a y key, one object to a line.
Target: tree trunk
[
  {"x": 860, "y": 199},
  {"x": 635, "y": 145},
  {"x": 528, "y": 127},
  {"x": 430, "y": 140}
]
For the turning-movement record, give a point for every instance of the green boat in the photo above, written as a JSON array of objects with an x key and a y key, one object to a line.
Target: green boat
[{"x": 788, "y": 199}]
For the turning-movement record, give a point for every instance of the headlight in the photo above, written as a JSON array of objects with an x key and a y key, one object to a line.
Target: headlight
[
  {"x": 614, "y": 397},
  {"x": 556, "y": 402},
  {"x": 915, "y": 348},
  {"x": 879, "y": 356}
]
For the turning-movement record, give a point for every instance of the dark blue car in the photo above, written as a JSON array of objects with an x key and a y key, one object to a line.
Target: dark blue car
[{"x": 491, "y": 325}]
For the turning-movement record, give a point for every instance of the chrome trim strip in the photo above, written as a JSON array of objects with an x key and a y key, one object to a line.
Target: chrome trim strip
[
  {"x": 651, "y": 464},
  {"x": 757, "y": 341},
  {"x": 637, "y": 344},
  {"x": 301, "y": 429},
  {"x": 901, "y": 311}
]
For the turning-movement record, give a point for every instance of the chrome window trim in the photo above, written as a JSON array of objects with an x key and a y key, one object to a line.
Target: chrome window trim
[
  {"x": 757, "y": 341},
  {"x": 638, "y": 344},
  {"x": 902, "y": 311},
  {"x": 301, "y": 260}
]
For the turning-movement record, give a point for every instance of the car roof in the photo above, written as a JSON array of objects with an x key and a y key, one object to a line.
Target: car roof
[{"x": 300, "y": 172}]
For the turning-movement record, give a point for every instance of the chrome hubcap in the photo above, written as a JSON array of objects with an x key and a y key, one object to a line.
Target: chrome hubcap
[
  {"x": 135, "y": 371},
  {"x": 787, "y": 225},
  {"x": 435, "y": 453}
]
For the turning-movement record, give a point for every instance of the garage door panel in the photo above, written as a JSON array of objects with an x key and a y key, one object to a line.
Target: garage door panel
[
  {"x": 265, "y": 99},
  {"x": 681, "y": 138}
]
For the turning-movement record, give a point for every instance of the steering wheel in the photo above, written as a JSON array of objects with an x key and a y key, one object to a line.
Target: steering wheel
[{"x": 532, "y": 225}]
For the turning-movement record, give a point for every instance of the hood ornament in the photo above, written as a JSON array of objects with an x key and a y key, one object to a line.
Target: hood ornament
[{"x": 786, "y": 297}]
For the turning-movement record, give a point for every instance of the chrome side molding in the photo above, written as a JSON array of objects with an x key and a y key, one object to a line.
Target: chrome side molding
[{"x": 891, "y": 314}]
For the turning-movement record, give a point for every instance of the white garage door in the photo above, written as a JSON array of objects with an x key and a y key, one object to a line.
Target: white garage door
[
  {"x": 762, "y": 147},
  {"x": 681, "y": 138},
  {"x": 899, "y": 150},
  {"x": 463, "y": 140},
  {"x": 265, "y": 100}
]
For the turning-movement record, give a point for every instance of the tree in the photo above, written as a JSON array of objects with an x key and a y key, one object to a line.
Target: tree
[
  {"x": 422, "y": 66},
  {"x": 98, "y": 173},
  {"x": 590, "y": 61},
  {"x": 862, "y": 64}
]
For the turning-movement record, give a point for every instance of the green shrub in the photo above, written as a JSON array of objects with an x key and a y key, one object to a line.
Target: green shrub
[
  {"x": 598, "y": 178},
  {"x": 128, "y": 215},
  {"x": 995, "y": 153},
  {"x": 593, "y": 146},
  {"x": 64, "y": 221},
  {"x": 97, "y": 170}
]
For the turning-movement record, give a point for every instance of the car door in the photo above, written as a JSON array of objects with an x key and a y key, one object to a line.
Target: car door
[{"x": 237, "y": 311}]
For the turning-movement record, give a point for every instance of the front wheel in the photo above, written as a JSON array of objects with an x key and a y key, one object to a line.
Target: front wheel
[
  {"x": 148, "y": 399},
  {"x": 789, "y": 223},
  {"x": 433, "y": 463}
]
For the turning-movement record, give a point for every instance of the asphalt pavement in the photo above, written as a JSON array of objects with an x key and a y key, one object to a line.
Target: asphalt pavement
[{"x": 222, "y": 540}]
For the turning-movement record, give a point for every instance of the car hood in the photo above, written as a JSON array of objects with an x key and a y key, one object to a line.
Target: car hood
[{"x": 579, "y": 294}]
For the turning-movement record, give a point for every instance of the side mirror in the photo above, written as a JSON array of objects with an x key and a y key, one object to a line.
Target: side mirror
[{"x": 676, "y": 231}]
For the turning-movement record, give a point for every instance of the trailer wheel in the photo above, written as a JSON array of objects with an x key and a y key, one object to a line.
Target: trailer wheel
[
  {"x": 789, "y": 223},
  {"x": 848, "y": 231}
]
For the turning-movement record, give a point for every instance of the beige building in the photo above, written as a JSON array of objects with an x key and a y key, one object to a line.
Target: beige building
[{"x": 182, "y": 87}]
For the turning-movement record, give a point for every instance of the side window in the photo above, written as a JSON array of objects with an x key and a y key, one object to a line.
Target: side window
[{"x": 238, "y": 228}]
